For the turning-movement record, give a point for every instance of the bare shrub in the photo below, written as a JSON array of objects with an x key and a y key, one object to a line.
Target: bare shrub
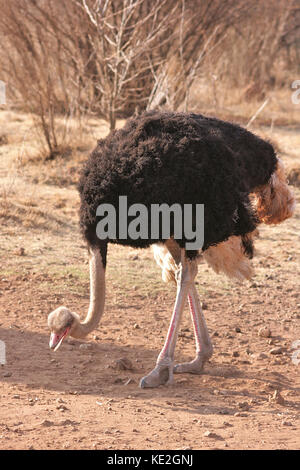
[
  {"x": 36, "y": 64},
  {"x": 252, "y": 57},
  {"x": 67, "y": 60},
  {"x": 112, "y": 58},
  {"x": 201, "y": 29},
  {"x": 128, "y": 39}
]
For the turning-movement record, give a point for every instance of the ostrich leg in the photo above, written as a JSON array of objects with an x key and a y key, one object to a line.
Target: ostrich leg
[
  {"x": 204, "y": 347},
  {"x": 163, "y": 372}
]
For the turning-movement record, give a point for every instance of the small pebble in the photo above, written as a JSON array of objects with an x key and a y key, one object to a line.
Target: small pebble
[
  {"x": 20, "y": 251},
  {"x": 86, "y": 346},
  {"x": 277, "y": 398},
  {"x": 60, "y": 400},
  {"x": 129, "y": 382},
  {"x": 265, "y": 332},
  {"x": 123, "y": 364},
  {"x": 259, "y": 356},
  {"x": 243, "y": 405},
  {"x": 225, "y": 423},
  {"x": 61, "y": 408},
  {"x": 118, "y": 380},
  {"x": 276, "y": 351},
  {"x": 47, "y": 423}
]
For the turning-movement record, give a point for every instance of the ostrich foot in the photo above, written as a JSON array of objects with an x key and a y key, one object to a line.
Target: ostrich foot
[
  {"x": 162, "y": 374},
  {"x": 195, "y": 366}
]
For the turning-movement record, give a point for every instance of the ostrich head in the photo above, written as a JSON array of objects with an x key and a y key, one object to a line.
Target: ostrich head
[{"x": 62, "y": 323}]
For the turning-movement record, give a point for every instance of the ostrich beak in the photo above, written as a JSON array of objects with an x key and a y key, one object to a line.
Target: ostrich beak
[{"x": 56, "y": 339}]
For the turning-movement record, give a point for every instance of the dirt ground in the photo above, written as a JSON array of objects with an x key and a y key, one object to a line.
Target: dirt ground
[{"x": 78, "y": 398}]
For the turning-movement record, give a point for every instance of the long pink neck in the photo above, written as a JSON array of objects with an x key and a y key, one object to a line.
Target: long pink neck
[{"x": 97, "y": 296}]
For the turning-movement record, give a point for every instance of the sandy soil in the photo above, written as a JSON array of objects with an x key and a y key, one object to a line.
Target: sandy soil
[{"x": 78, "y": 398}]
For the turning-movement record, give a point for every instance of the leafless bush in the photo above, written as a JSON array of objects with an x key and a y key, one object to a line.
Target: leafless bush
[
  {"x": 127, "y": 38},
  {"x": 115, "y": 57},
  {"x": 148, "y": 53},
  {"x": 44, "y": 63},
  {"x": 201, "y": 29},
  {"x": 253, "y": 54},
  {"x": 111, "y": 57}
]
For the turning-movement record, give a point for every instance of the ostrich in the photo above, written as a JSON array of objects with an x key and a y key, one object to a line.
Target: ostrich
[{"x": 168, "y": 157}]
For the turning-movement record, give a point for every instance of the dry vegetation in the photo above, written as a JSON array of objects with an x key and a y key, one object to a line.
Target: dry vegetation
[
  {"x": 65, "y": 61},
  {"x": 74, "y": 69}
]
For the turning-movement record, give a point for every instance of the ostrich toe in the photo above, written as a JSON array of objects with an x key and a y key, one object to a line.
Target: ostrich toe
[{"x": 162, "y": 374}]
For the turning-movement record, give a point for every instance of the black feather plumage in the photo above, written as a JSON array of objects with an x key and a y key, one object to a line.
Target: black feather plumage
[{"x": 166, "y": 157}]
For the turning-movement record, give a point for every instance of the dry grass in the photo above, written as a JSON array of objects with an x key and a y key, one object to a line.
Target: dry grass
[
  {"x": 216, "y": 99},
  {"x": 36, "y": 193},
  {"x": 294, "y": 176}
]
